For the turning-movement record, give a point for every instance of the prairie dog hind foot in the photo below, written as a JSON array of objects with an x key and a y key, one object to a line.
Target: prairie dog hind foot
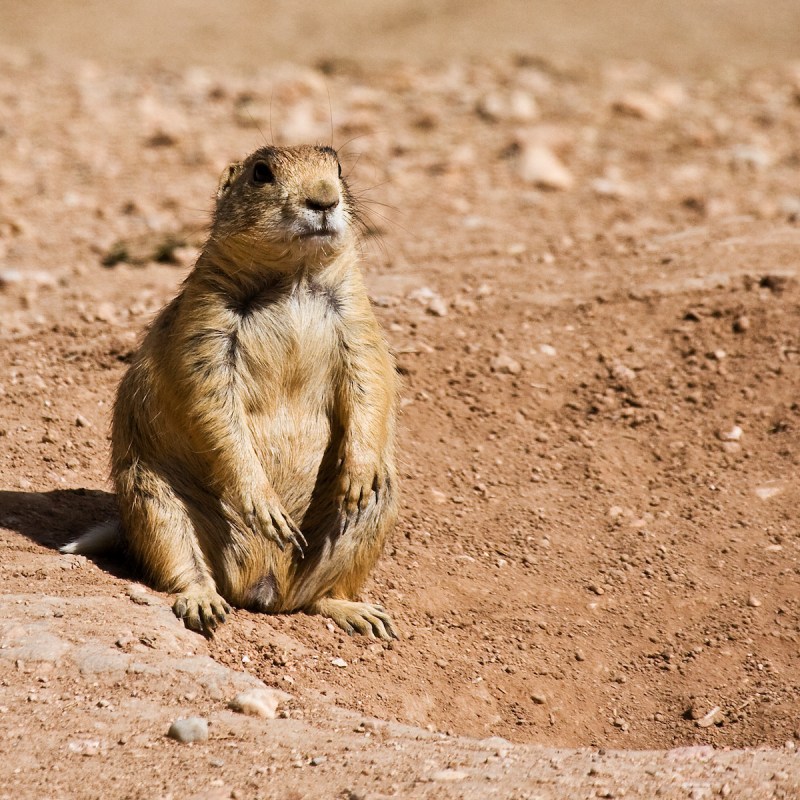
[
  {"x": 353, "y": 617},
  {"x": 201, "y": 609}
]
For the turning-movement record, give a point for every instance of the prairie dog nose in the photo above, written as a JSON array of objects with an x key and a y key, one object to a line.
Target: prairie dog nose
[{"x": 322, "y": 196}]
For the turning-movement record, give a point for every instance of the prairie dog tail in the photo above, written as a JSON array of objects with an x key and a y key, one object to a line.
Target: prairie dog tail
[{"x": 98, "y": 539}]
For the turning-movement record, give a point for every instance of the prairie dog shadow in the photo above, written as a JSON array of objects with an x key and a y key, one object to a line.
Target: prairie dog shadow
[{"x": 53, "y": 518}]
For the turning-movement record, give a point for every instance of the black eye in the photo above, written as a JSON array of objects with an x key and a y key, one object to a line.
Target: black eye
[
  {"x": 340, "y": 170},
  {"x": 262, "y": 173}
]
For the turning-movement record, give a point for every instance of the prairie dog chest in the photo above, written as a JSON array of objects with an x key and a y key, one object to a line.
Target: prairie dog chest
[{"x": 291, "y": 349}]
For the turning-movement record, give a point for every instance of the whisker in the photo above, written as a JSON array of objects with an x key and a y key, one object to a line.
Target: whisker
[{"x": 271, "y": 135}]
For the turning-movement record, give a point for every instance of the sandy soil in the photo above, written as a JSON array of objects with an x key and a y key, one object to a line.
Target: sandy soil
[
  {"x": 682, "y": 36},
  {"x": 588, "y": 271}
]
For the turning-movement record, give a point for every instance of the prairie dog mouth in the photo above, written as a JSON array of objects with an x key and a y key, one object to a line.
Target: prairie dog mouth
[
  {"x": 323, "y": 232},
  {"x": 318, "y": 229}
]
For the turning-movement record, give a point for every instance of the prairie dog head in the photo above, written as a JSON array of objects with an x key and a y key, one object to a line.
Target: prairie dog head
[{"x": 285, "y": 208}]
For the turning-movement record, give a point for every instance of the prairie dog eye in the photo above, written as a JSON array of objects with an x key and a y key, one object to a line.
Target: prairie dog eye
[
  {"x": 262, "y": 173},
  {"x": 340, "y": 170}
]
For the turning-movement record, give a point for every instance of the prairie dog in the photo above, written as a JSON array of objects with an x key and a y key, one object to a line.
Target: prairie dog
[{"x": 253, "y": 436}]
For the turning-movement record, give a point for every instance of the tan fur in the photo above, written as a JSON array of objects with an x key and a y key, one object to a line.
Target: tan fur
[{"x": 253, "y": 435}]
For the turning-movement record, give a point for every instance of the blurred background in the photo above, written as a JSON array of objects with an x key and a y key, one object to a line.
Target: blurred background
[{"x": 680, "y": 35}]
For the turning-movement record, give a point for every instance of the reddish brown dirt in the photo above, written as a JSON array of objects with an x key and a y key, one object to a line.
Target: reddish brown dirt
[{"x": 599, "y": 439}]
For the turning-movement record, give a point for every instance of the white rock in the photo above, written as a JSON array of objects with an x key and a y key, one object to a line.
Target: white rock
[
  {"x": 516, "y": 106},
  {"x": 338, "y": 662},
  {"x": 504, "y": 364},
  {"x": 448, "y": 776},
  {"x": 433, "y": 302},
  {"x": 34, "y": 278},
  {"x": 259, "y": 702},
  {"x": 422, "y": 295},
  {"x": 732, "y": 435},
  {"x": 750, "y": 156},
  {"x": 105, "y": 312},
  {"x": 522, "y": 107},
  {"x": 85, "y": 747},
  {"x": 438, "y": 497},
  {"x": 164, "y": 123},
  {"x": 437, "y": 307},
  {"x": 670, "y": 94},
  {"x": 540, "y": 166},
  {"x": 766, "y": 492},
  {"x": 709, "y": 719},
  {"x": 608, "y": 187},
  {"x": 622, "y": 373},
  {"x": 191, "y": 729},
  {"x": 639, "y": 105}
]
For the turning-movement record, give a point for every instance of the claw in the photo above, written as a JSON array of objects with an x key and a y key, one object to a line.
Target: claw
[
  {"x": 273, "y": 534},
  {"x": 300, "y": 535}
]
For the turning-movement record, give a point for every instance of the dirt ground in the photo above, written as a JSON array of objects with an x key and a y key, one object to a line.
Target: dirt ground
[{"x": 587, "y": 267}]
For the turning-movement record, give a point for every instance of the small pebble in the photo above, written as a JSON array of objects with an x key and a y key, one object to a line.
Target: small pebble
[
  {"x": 540, "y": 166},
  {"x": 753, "y": 601},
  {"x": 707, "y": 720},
  {"x": 732, "y": 434},
  {"x": 437, "y": 307},
  {"x": 741, "y": 324},
  {"x": 338, "y": 662},
  {"x": 105, "y": 312},
  {"x": 192, "y": 729},
  {"x": 639, "y": 105},
  {"x": 448, "y": 776},
  {"x": 751, "y": 156},
  {"x": 433, "y": 302},
  {"x": 766, "y": 492},
  {"x": 505, "y": 365},
  {"x": 539, "y": 699},
  {"x": 85, "y": 747},
  {"x": 515, "y": 107}
]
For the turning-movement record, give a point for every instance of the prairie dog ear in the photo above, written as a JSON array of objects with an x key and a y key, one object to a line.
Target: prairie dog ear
[{"x": 229, "y": 175}]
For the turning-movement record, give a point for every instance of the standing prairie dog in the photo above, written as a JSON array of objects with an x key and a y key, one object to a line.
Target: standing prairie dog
[{"x": 253, "y": 435}]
